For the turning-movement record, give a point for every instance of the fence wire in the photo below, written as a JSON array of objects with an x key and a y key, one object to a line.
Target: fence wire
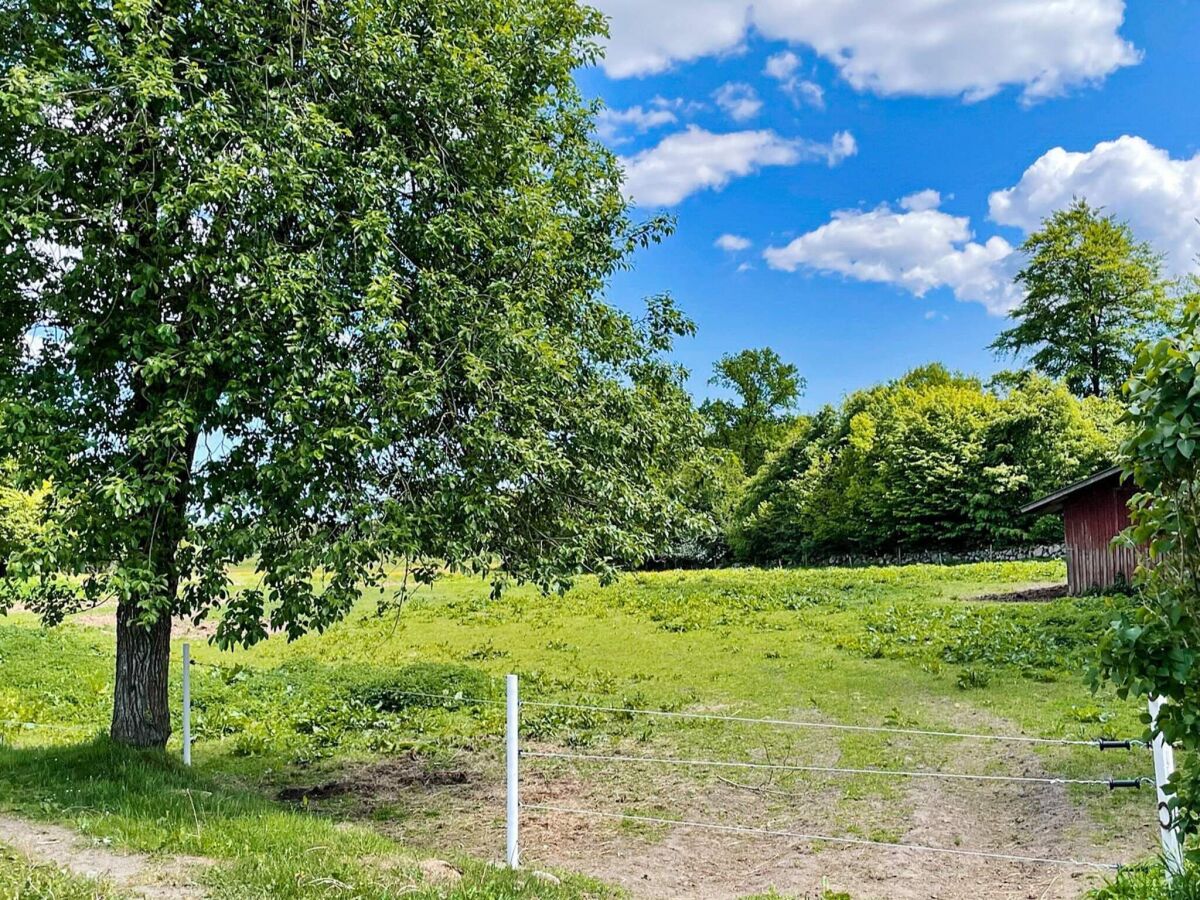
[
  {"x": 1109, "y": 783},
  {"x": 1098, "y": 742}
]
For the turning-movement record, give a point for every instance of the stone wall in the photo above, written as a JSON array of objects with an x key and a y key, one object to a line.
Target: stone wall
[{"x": 906, "y": 558}]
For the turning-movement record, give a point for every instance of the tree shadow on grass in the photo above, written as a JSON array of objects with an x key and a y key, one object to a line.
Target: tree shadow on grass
[{"x": 149, "y": 801}]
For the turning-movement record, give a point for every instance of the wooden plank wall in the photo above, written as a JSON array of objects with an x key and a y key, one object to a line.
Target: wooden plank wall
[{"x": 1092, "y": 518}]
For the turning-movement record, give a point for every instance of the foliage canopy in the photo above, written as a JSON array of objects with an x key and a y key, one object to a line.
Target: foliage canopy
[
  {"x": 932, "y": 460},
  {"x": 1153, "y": 650},
  {"x": 767, "y": 389},
  {"x": 315, "y": 285}
]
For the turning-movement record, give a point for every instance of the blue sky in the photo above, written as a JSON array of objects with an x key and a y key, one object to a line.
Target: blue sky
[{"x": 876, "y": 162}]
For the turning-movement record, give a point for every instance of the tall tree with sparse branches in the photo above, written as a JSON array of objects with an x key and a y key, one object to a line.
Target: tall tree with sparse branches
[
  {"x": 315, "y": 284},
  {"x": 1092, "y": 293}
]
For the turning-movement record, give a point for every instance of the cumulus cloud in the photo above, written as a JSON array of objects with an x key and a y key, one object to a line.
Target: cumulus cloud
[
  {"x": 938, "y": 48},
  {"x": 737, "y": 100},
  {"x": 615, "y": 125},
  {"x": 783, "y": 68},
  {"x": 696, "y": 159},
  {"x": 921, "y": 200},
  {"x": 732, "y": 242},
  {"x": 1131, "y": 178},
  {"x": 917, "y": 247}
]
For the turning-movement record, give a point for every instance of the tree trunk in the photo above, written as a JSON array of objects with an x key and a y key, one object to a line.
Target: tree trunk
[{"x": 141, "y": 716}]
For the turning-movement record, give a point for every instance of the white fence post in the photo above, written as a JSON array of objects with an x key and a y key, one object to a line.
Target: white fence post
[
  {"x": 187, "y": 704},
  {"x": 512, "y": 729},
  {"x": 1164, "y": 765}
]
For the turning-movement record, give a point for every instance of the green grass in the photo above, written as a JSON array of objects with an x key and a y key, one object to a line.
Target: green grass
[
  {"x": 21, "y": 879},
  {"x": 900, "y": 646}
]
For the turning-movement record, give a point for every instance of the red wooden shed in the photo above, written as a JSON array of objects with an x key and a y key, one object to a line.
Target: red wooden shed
[{"x": 1095, "y": 510}]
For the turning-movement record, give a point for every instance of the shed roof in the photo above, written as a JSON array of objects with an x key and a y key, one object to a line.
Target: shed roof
[{"x": 1054, "y": 502}]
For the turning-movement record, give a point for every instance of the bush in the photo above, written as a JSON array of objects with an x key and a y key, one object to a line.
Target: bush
[
  {"x": 1154, "y": 649},
  {"x": 19, "y": 517}
]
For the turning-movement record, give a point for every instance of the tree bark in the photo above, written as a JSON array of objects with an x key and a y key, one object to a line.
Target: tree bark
[{"x": 141, "y": 715}]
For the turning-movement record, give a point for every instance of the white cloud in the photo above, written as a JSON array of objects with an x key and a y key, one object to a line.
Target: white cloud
[
  {"x": 919, "y": 248},
  {"x": 32, "y": 344},
  {"x": 841, "y": 146},
  {"x": 782, "y": 67},
  {"x": 738, "y": 100},
  {"x": 922, "y": 200},
  {"x": 648, "y": 36},
  {"x": 1131, "y": 178},
  {"x": 732, "y": 242},
  {"x": 936, "y": 47},
  {"x": 695, "y": 159},
  {"x": 806, "y": 92},
  {"x": 612, "y": 124}
]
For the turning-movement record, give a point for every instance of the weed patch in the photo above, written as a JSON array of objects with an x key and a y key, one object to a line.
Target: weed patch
[{"x": 1038, "y": 640}]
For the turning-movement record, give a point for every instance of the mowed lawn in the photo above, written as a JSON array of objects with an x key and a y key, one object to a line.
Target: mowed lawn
[{"x": 332, "y": 765}]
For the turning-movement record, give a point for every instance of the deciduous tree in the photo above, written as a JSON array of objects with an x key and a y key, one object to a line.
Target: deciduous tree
[
  {"x": 1152, "y": 651},
  {"x": 1092, "y": 293},
  {"x": 315, "y": 285},
  {"x": 766, "y": 388},
  {"x": 934, "y": 460}
]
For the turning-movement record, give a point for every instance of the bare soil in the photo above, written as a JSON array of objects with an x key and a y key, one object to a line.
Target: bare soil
[
  {"x": 658, "y": 861},
  {"x": 1038, "y": 594}
]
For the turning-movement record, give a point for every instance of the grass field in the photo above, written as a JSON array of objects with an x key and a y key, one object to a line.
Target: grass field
[{"x": 319, "y": 774}]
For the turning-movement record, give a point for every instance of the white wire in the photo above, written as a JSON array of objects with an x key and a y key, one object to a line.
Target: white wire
[
  {"x": 787, "y": 723},
  {"x": 861, "y": 842},
  {"x": 799, "y": 724},
  {"x": 776, "y": 767}
]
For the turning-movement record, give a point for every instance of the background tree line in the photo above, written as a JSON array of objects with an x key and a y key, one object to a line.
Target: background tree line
[{"x": 935, "y": 459}]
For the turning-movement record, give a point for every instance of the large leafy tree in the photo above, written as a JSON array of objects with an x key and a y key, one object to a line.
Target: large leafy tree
[
  {"x": 766, "y": 390},
  {"x": 1092, "y": 293},
  {"x": 315, "y": 285}
]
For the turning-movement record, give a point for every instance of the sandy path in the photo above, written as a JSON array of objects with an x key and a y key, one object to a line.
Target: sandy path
[{"x": 132, "y": 873}]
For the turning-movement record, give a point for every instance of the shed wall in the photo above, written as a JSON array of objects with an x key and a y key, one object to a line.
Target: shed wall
[{"x": 1092, "y": 518}]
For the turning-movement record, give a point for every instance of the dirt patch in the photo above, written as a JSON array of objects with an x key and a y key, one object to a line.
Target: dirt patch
[
  {"x": 391, "y": 779},
  {"x": 134, "y": 873},
  {"x": 380, "y": 782},
  {"x": 316, "y": 792},
  {"x": 655, "y": 860},
  {"x": 105, "y": 616},
  {"x": 1040, "y": 594}
]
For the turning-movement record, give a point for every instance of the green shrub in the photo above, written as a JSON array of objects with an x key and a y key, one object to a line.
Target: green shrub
[
  {"x": 1038, "y": 639},
  {"x": 1148, "y": 882},
  {"x": 426, "y": 685}
]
